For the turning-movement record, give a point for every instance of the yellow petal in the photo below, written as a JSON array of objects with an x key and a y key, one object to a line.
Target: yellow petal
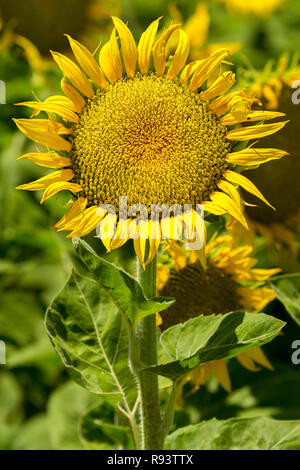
[
  {"x": 110, "y": 59},
  {"x": 139, "y": 242},
  {"x": 158, "y": 319},
  {"x": 221, "y": 372},
  {"x": 171, "y": 227},
  {"x": 87, "y": 62},
  {"x": 188, "y": 70},
  {"x": 180, "y": 56},
  {"x": 259, "y": 356},
  {"x": 73, "y": 95},
  {"x": 207, "y": 67},
  {"x": 245, "y": 183},
  {"x": 74, "y": 74},
  {"x": 54, "y": 188},
  {"x": 121, "y": 236},
  {"x": 256, "y": 298},
  {"x": 224, "y": 103},
  {"x": 90, "y": 222},
  {"x": 271, "y": 97},
  {"x": 39, "y": 130},
  {"x": 263, "y": 274},
  {"x": 45, "y": 181},
  {"x": 78, "y": 219},
  {"x": 231, "y": 191},
  {"x": 31, "y": 52},
  {"x": 129, "y": 50},
  {"x": 52, "y": 107},
  {"x": 201, "y": 253},
  {"x": 195, "y": 233},
  {"x": 255, "y": 156},
  {"x": 230, "y": 205},
  {"x": 255, "y": 132},
  {"x": 245, "y": 115},
  {"x": 47, "y": 159},
  {"x": 213, "y": 208},
  {"x": 246, "y": 361},
  {"x": 76, "y": 209},
  {"x": 86, "y": 222},
  {"x": 145, "y": 46},
  {"x": 108, "y": 229},
  {"x": 163, "y": 274},
  {"x": 178, "y": 255},
  {"x": 154, "y": 239},
  {"x": 220, "y": 86},
  {"x": 159, "y": 50}
]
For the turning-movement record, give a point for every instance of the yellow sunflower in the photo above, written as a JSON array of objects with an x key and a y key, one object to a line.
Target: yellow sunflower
[
  {"x": 38, "y": 25},
  {"x": 228, "y": 284},
  {"x": 160, "y": 137},
  {"x": 256, "y": 7},
  {"x": 274, "y": 87}
]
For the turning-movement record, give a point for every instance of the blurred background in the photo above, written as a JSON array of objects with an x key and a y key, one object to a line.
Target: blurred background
[{"x": 40, "y": 407}]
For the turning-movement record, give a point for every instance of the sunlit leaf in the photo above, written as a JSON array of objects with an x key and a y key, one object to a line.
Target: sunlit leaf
[
  {"x": 237, "y": 434},
  {"x": 209, "y": 338}
]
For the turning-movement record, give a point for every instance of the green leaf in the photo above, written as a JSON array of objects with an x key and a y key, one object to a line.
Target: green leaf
[
  {"x": 36, "y": 353},
  {"x": 65, "y": 407},
  {"x": 287, "y": 289},
  {"x": 123, "y": 289},
  {"x": 237, "y": 434},
  {"x": 209, "y": 338},
  {"x": 90, "y": 336},
  {"x": 97, "y": 433}
]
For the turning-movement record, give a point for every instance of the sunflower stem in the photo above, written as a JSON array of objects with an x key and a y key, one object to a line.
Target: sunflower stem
[{"x": 152, "y": 435}]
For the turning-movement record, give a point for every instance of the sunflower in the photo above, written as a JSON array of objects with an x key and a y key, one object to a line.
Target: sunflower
[
  {"x": 161, "y": 137},
  {"x": 228, "y": 284},
  {"x": 274, "y": 87},
  {"x": 37, "y": 25},
  {"x": 256, "y": 7}
]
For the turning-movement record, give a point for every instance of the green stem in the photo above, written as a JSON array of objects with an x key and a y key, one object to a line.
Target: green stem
[{"x": 146, "y": 336}]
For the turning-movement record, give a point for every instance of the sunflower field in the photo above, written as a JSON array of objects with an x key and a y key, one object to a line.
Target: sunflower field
[{"x": 150, "y": 226}]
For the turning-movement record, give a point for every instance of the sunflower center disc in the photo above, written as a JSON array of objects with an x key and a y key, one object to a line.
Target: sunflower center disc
[
  {"x": 150, "y": 139},
  {"x": 198, "y": 292}
]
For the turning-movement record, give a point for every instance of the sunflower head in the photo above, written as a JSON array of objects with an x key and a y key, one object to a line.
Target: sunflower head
[
  {"x": 164, "y": 137},
  {"x": 230, "y": 283}
]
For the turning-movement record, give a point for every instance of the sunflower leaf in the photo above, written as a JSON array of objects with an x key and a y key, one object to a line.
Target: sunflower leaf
[
  {"x": 287, "y": 289},
  {"x": 123, "y": 289},
  {"x": 90, "y": 336},
  {"x": 210, "y": 338},
  {"x": 237, "y": 434}
]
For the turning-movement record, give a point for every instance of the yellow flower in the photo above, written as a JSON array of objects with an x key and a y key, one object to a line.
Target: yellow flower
[
  {"x": 228, "y": 284},
  {"x": 274, "y": 87},
  {"x": 38, "y": 25},
  {"x": 256, "y": 7},
  {"x": 160, "y": 137}
]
